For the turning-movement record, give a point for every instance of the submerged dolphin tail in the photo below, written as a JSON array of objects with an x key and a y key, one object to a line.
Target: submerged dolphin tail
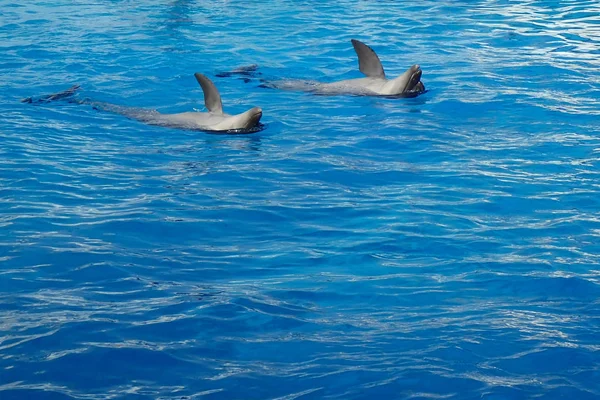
[
  {"x": 246, "y": 71},
  {"x": 368, "y": 62},
  {"x": 52, "y": 97},
  {"x": 212, "y": 98}
]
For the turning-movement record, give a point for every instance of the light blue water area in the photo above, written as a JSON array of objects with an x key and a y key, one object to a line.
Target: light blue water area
[{"x": 441, "y": 247}]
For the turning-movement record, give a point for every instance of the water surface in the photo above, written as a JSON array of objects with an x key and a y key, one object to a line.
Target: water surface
[{"x": 444, "y": 247}]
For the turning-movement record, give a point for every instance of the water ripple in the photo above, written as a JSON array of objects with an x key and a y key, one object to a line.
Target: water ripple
[{"x": 441, "y": 247}]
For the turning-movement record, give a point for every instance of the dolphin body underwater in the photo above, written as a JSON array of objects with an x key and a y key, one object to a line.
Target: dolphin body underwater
[
  {"x": 374, "y": 84},
  {"x": 215, "y": 120}
]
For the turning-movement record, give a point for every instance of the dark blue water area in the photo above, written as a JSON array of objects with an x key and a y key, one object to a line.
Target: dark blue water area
[{"x": 441, "y": 247}]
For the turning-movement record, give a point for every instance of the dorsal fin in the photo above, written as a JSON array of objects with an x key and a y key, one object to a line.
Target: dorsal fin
[
  {"x": 212, "y": 98},
  {"x": 368, "y": 62}
]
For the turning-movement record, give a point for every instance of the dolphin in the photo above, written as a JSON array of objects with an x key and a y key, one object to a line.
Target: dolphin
[
  {"x": 374, "y": 84},
  {"x": 215, "y": 120}
]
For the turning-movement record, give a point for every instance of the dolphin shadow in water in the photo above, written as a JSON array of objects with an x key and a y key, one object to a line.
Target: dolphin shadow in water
[
  {"x": 374, "y": 84},
  {"x": 215, "y": 120}
]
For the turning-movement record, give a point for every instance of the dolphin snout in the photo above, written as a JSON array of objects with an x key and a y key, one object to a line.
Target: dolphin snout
[
  {"x": 415, "y": 78},
  {"x": 254, "y": 116},
  {"x": 256, "y": 112},
  {"x": 416, "y": 72}
]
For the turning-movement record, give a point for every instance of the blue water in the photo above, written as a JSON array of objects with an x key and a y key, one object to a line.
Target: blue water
[{"x": 442, "y": 247}]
